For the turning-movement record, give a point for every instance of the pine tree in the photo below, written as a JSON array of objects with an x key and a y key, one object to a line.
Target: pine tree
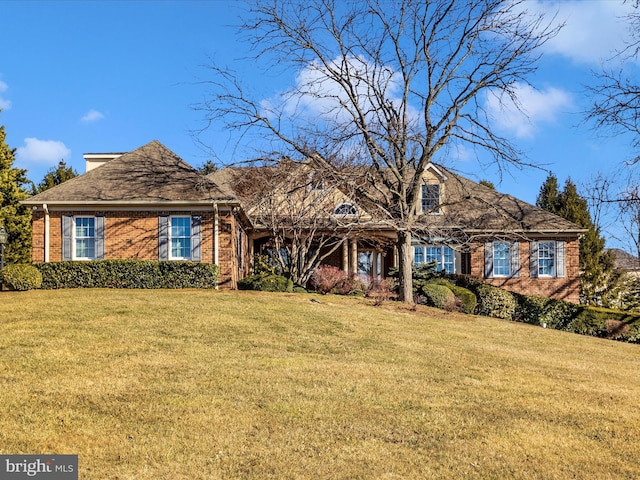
[
  {"x": 548, "y": 196},
  {"x": 56, "y": 176},
  {"x": 15, "y": 218},
  {"x": 599, "y": 279}
]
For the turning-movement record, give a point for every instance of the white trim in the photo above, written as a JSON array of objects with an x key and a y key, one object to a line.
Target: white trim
[
  {"x": 554, "y": 257},
  {"x": 216, "y": 235},
  {"x": 47, "y": 233},
  {"x": 73, "y": 238},
  {"x": 170, "y": 237}
]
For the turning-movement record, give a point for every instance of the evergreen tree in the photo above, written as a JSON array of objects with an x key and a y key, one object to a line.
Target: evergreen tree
[
  {"x": 599, "y": 278},
  {"x": 55, "y": 176},
  {"x": 548, "y": 196},
  {"x": 15, "y": 218},
  {"x": 207, "y": 167}
]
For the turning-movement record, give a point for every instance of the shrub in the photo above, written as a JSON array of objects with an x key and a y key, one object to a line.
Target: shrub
[
  {"x": 468, "y": 300},
  {"x": 326, "y": 278},
  {"x": 439, "y": 296},
  {"x": 381, "y": 290},
  {"x": 495, "y": 302},
  {"x": 128, "y": 274},
  {"x": 21, "y": 277},
  {"x": 266, "y": 283}
]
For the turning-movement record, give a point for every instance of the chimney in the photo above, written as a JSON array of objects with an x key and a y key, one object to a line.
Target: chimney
[{"x": 95, "y": 160}]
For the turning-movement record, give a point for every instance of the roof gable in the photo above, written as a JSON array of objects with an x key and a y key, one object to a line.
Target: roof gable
[{"x": 151, "y": 173}]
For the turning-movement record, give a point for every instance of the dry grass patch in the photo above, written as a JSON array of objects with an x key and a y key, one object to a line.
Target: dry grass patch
[{"x": 202, "y": 385}]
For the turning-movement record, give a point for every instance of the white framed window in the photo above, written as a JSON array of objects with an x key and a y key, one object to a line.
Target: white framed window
[
  {"x": 430, "y": 198},
  {"x": 442, "y": 255},
  {"x": 346, "y": 210},
  {"x": 84, "y": 238},
  {"x": 502, "y": 259},
  {"x": 180, "y": 238},
  {"x": 547, "y": 259}
]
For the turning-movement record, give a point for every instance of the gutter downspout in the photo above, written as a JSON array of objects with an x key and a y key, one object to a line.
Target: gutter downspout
[
  {"x": 216, "y": 237},
  {"x": 45, "y": 207}
]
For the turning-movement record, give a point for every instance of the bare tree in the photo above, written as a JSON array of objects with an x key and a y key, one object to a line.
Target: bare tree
[
  {"x": 385, "y": 85},
  {"x": 305, "y": 217},
  {"x": 616, "y": 91}
]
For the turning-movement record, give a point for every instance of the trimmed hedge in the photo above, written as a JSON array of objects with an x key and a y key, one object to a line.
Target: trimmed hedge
[
  {"x": 266, "y": 283},
  {"x": 439, "y": 296},
  {"x": 495, "y": 302},
  {"x": 468, "y": 300},
  {"x": 21, "y": 277},
  {"x": 128, "y": 274}
]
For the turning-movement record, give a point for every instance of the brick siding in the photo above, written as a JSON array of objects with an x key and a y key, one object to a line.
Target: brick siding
[
  {"x": 566, "y": 288},
  {"x": 135, "y": 235}
]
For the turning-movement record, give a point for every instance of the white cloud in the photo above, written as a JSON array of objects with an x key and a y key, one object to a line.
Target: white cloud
[
  {"x": 4, "y": 104},
  {"x": 536, "y": 107},
  {"x": 42, "y": 152},
  {"x": 315, "y": 94},
  {"x": 92, "y": 116},
  {"x": 593, "y": 30}
]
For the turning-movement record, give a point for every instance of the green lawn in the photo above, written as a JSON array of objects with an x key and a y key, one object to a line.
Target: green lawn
[{"x": 205, "y": 385}]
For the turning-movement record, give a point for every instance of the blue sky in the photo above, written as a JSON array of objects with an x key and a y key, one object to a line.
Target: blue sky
[{"x": 110, "y": 76}]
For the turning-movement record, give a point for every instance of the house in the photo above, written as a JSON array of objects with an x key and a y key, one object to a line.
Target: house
[
  {"x": 466, "y": 228},
  {"x": 150, "y": 204},
  {"x": 147, "y": 204}
]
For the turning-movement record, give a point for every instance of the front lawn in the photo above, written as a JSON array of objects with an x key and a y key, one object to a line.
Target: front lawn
[{"x": 170, "y": 384}]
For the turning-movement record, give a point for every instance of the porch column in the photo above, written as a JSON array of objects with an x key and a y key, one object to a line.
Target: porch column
[
  {"x": 354, "y": 257},
  {"x": 345, "y": 255},
  {"x": 375, "y": 267}
]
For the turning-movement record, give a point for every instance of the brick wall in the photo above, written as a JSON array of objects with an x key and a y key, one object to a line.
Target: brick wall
[
  {"x": 135, "y": 235},
  {"x": 566, "y": 288}
]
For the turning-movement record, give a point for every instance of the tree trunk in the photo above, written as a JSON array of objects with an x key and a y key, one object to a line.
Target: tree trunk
[{"x": 405, "y": 274}]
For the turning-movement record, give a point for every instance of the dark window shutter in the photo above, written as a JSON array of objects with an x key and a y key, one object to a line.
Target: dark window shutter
[
  {"x": 533, "y": 260},
  {"x": 488, "y": 260},
  {"x": 163, "y": 237},
  {"x": 560, "y": 259},
  {"x": 515, "y": 259},
  {"x": 67, "y": 229},
  {"x": 196, "y": 222},
  {"x": 99, "y": 238}
]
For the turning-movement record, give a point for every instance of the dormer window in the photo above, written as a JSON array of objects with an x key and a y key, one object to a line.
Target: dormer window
[
  {"x": 431, "y": 198},
  {"x": 345, "y": 209}
]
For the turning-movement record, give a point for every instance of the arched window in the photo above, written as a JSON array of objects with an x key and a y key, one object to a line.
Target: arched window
[{"x": 345, "y": 209}]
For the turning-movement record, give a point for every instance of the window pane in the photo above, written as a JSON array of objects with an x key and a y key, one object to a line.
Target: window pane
[
  {"x": 546, "y": 259},
  {"x": 180, "y": 238},
  {"x": 418, "y": 255},
  {"x": 430, "y": 198},
  {"x": 449, "y": 259},
  {"x": 501, "y": 259},
  {"x": 85, "y": 243},
  {"x": 365, "y": 263},
  {"x": 432, "y": 254},
  {"x": 85, "y": 227},
  {"x": 180, "y": 247}
]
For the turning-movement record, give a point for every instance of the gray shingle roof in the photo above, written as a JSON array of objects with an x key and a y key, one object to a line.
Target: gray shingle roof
[
  {"x": 149, "y": 174},
  {"x": 468, "y": 206}
]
